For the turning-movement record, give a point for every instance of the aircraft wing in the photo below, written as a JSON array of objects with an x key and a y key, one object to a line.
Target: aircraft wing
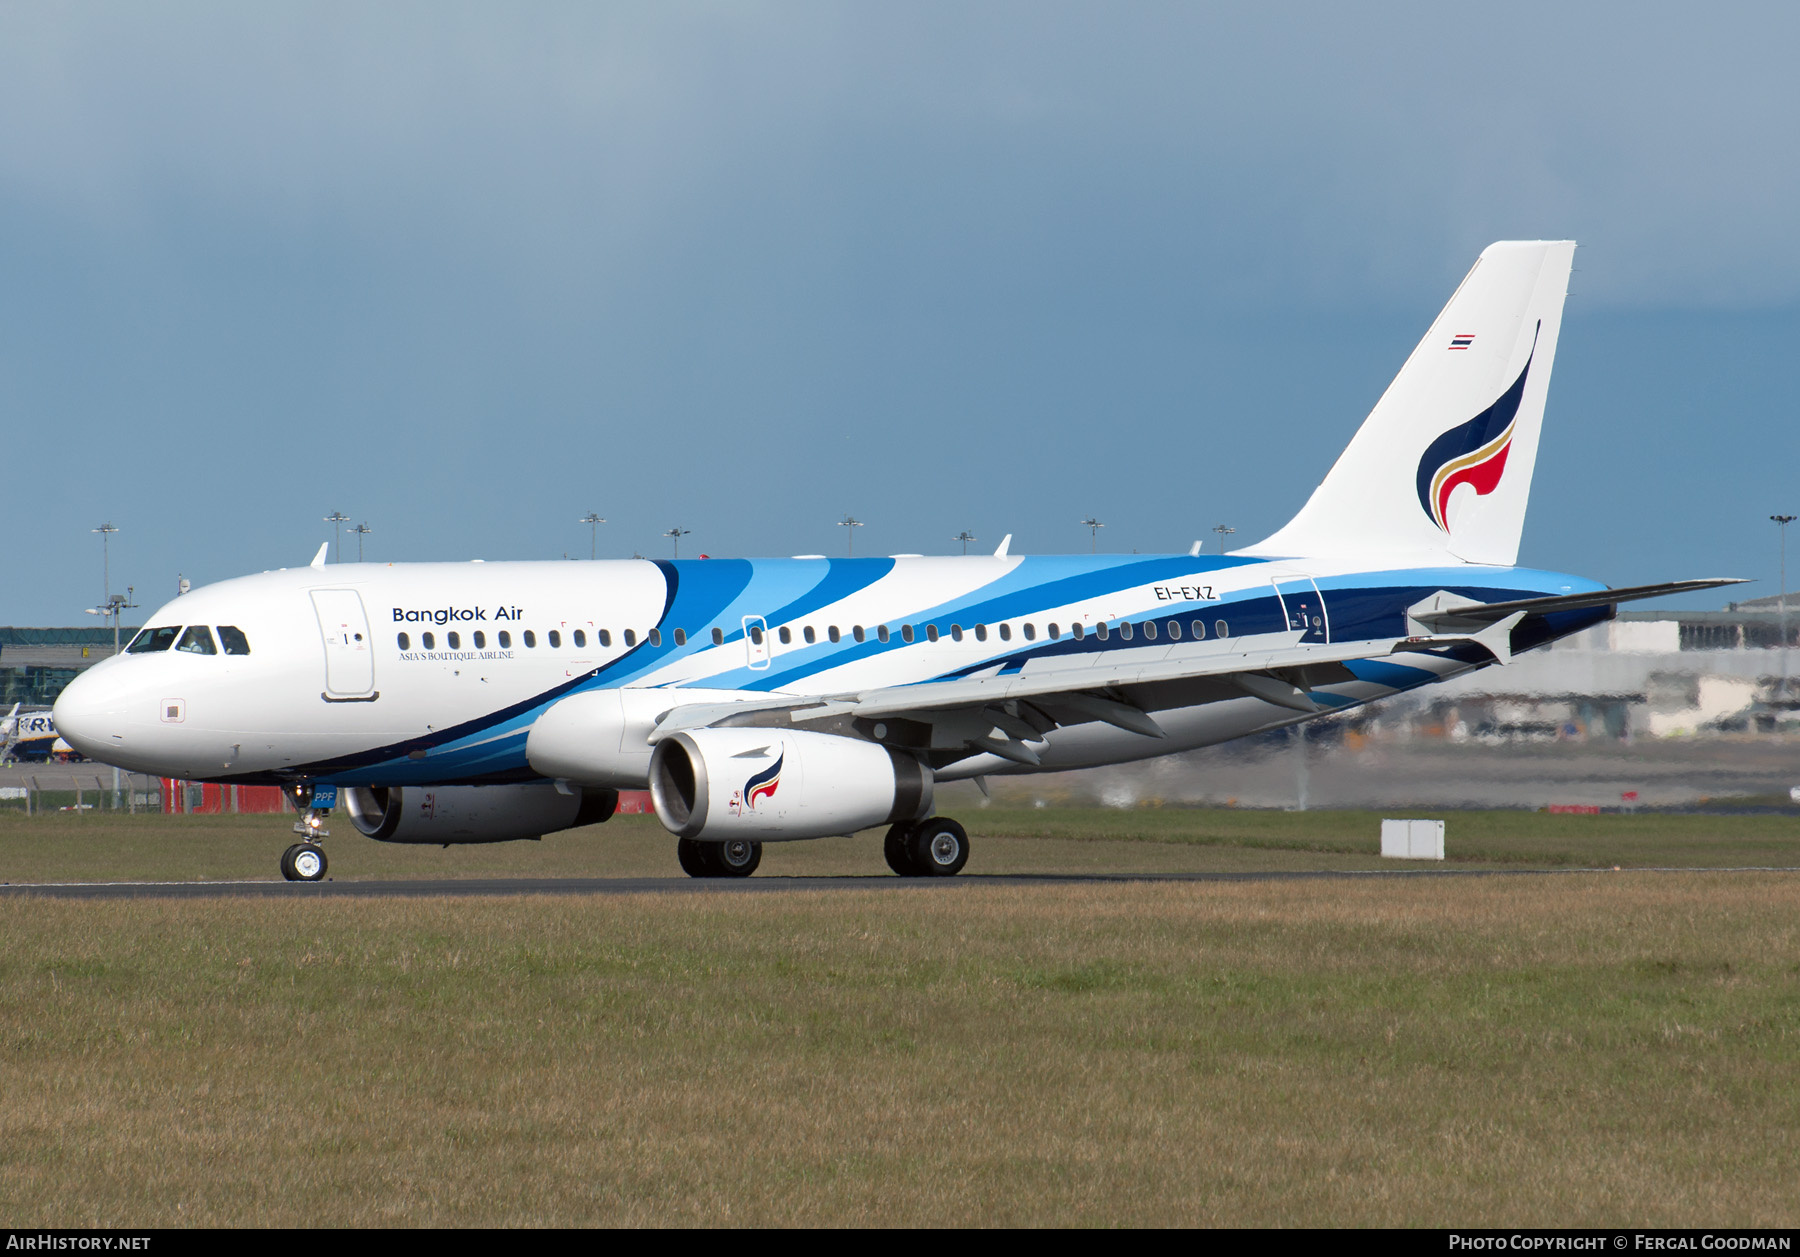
[{"x": 1003, "y": 711}]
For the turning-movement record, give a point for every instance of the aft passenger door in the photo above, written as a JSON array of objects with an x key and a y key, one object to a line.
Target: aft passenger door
[
  {"x": 1304, "y": 607},
  {"x": 349, "y": 657}
]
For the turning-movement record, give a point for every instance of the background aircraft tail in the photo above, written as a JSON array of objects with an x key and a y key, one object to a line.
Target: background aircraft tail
[{"x": 1441, "y": 468}]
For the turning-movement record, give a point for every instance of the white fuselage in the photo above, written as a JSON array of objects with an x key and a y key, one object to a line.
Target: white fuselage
[{"x": 428, "y": 673}]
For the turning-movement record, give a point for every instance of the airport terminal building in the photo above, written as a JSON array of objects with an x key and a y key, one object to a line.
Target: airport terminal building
[{"x": 37, "y": 663}]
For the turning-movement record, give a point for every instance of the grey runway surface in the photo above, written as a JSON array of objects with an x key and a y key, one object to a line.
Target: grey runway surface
[{"x": 486, "y": 887}]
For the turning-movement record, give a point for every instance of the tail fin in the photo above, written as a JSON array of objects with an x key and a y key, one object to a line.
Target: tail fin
[{"x": 1441, "y": 468}]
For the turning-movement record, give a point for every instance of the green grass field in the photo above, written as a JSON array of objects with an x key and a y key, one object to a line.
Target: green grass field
[
  {"x": 1604, "y": 1049},
  {"x": 98, "y": 846}
]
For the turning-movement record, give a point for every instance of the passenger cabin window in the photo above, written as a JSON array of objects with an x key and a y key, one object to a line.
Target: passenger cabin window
[
  {"x": 681, "y": 637},
  {"x": 906, "y": 633},
  {"x": 1055, "y": 632},
  {"x": 1100, "y": 630},
  {"x": 405, "y": 642},
  {"x": 1149, "y": 630},
  {"x": 580, "y": 637},
  {"x": 1221, "y": 628},
  {"x": 981, "y": 632},
  {"x": 809, "y": 635},
  {"x": 1125, "y": 630},
  {"x": 429, "y": 641},
  {"x": 554, "y": 637},
  {"x": 785, "y": 634},
  {"x": 630, "y": 637},
  {"x": 931, "y": 632},
  {"x": 454, "y": 639},
  {"x": 881, "y": 633},
  {"x": 1199, "y": 627},
  {"x": 718, "y": 636},
  {"x": 530, "y": 639},
  {"x": 1174, "y": 630},
  {"x": 197, "y": 641},
  {"x": 1030, "y": 631},
  {"x": 505, "y": 640},
  {"x": 1077, "y": 631},
  {"x": 656, "y": 637},
  {"x": 956, "y": 632},
  {"x": 604, "y": 636},
  {"x": 832, "y": 633},
  {"x": 233, "y": 640},
  {"x": 480, "y": 640},
  {"x": 856, "y": 631},
  {"x": 756, "y": 634},
  {"x": 1006, "y": 632},
  {"x": 152, "y": 640}
]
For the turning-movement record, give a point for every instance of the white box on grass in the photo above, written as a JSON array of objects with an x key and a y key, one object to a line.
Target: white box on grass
[{"x": 1412, "y": 840}]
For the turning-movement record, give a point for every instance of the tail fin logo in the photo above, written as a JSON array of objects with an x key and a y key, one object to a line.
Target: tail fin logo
[
  {"x": 764, "y": 784},
  {"x": 1472, "y": 453}
]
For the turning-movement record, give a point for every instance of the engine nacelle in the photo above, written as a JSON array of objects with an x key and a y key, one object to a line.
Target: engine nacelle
[
  {"x": 462, "y": 814},
  {"x": 769, "y": 785}
]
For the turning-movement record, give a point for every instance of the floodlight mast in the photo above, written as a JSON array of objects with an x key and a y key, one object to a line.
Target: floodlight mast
[
  {"x": 965, "y": 536},
  {"x": 593, "y": 521},
  {"x": 337, "y": 520},
  {"x": 850, "y": 524},
  {"x": 106, "y": 531},
  {"x": 1782, "y": 522},
  {"x": 676, "y": 534},
  {"x": 1223, "y": 532},
  {"x": 361, "y": 530},
  {"x": 1093, "y": 526}
]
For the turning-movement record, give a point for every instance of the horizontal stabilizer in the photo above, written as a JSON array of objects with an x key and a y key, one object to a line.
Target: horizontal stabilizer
[{"x": 1445, "y": 612}]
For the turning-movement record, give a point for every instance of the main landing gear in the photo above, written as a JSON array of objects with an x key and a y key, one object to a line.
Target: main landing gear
[
  {"x": 737, "y": 858},
  {"x": 938, "y": 847}
]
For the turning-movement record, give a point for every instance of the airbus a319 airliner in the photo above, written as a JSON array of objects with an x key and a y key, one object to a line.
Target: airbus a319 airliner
[{"x": 770, "y": 700}]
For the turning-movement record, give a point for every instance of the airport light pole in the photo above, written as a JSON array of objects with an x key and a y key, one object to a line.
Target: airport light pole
[
  {"x": 593, "y": 521},
  {"x": 337, "y": 520},
  {"x": 1223, "y": 532},
  {"x": 106, "y": 531},
  {"x": 113, "y": 606},
  {"x": 1093, "y": 526},
  {"x": 1782, "y": 522},
  {"x": 850, "y": 524},
  {"x": 676, "y": 534},
  {"x": 965, "y": 536},
  {"x": 361, "y": 530}
]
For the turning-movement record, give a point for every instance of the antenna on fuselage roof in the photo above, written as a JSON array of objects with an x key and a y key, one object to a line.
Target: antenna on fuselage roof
[{"x": 319, "y": 558}]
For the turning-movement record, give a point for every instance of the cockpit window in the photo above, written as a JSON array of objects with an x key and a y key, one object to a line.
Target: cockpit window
[
  {"x": 234, "y": 641},
  {"x": 153, "y": 639},
  {"x": 197, "y": 641}
]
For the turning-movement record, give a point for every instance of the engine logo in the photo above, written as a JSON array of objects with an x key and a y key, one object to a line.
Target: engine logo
[{"x": 761, "y": 786}]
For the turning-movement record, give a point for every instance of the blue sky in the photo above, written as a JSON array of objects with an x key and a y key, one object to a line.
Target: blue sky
[{"x": 469, "y": 272}]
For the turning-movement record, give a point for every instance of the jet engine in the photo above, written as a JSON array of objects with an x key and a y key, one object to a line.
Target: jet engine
[
  {"x": 463, "y": 814},
  {"x": 769, "y": 785}
]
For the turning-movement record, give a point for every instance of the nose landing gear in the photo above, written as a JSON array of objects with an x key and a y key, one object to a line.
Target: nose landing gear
[{"x": 304, "y": 862}]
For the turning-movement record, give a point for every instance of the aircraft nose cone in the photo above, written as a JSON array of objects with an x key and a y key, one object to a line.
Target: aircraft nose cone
[{"x": 84, "y": 718}]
